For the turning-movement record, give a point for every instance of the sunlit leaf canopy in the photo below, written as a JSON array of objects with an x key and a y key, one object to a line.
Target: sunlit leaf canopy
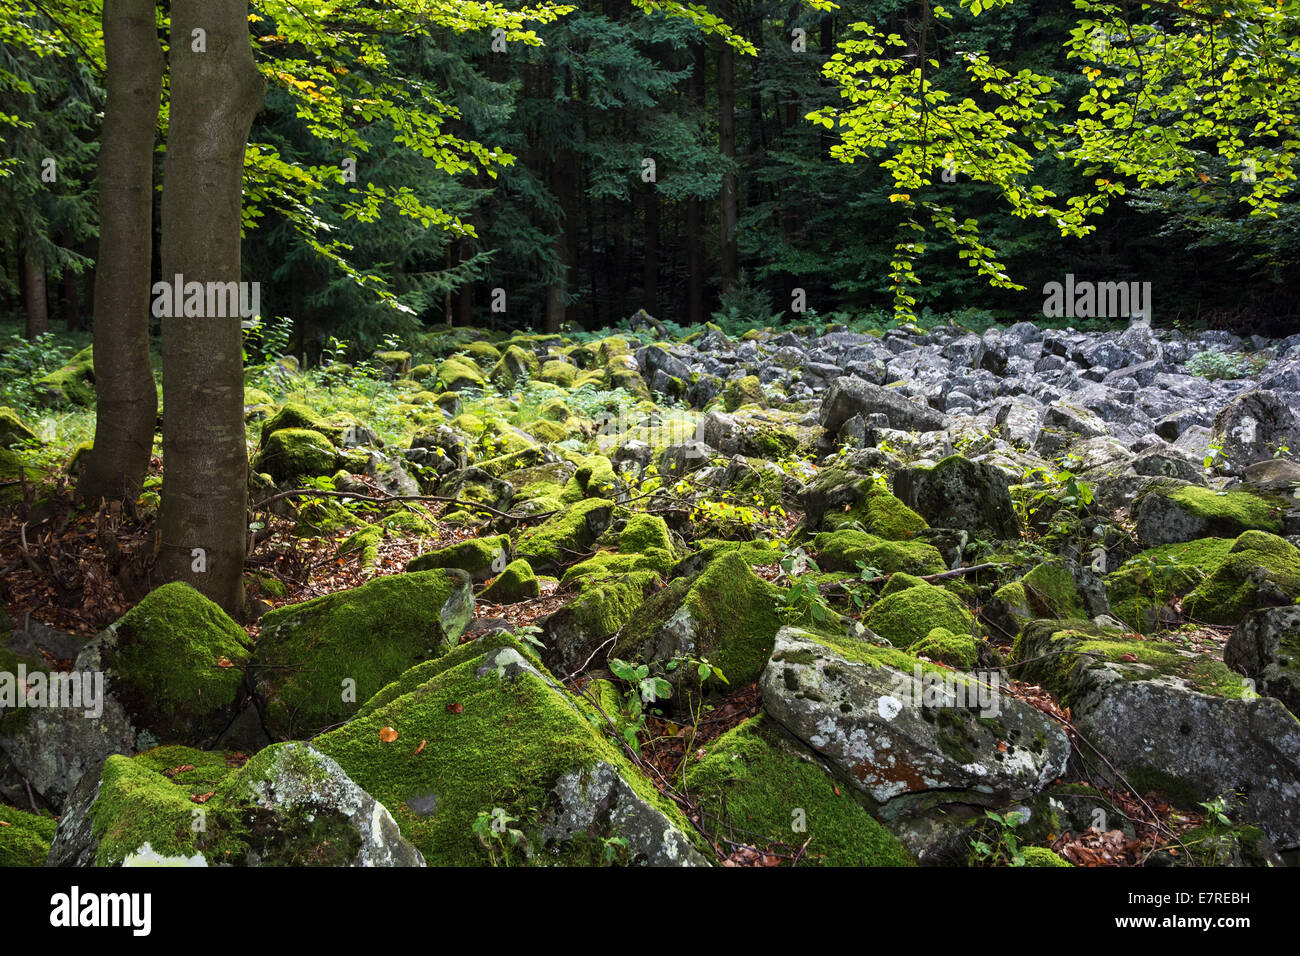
[{"x": 1201, "y": 93}]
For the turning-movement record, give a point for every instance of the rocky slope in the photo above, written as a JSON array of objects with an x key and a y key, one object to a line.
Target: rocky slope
[{"x": 921, "y": 550}]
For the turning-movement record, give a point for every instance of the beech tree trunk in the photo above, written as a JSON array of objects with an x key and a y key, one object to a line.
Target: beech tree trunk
[
  {"x": 215, "y": 94},
  {"x": 127, "y": 402}
]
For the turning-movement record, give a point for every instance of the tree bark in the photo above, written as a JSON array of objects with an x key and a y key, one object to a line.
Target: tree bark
[
  {"x": 126, "y": 409},
  {"x": 38, "y": 315},
  {"x": 650, "y": 297},
  {"x": 214, "y": 97},
  {"x": 695, "y": 258},
  {"x": 729, "y": 264}
]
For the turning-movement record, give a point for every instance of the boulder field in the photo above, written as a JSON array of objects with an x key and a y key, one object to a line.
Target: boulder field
[{"x": 918, "y": 581}]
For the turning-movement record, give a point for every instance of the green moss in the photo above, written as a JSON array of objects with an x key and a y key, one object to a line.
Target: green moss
[
  {"x": 644, "y": 532},
  {"x": 1136, "y": 588},
  {"x": 459, "y": 372},
  {"x": 364, "y": 542},
  {"x": 504, "y": 743},
  {"x": 483, "y": 352},
  {"x": 73, "y": 384},
  {"x": 1049, "y": 591},
  {"x": 842, "y": 550},
  {"x": 943, "y": 645},
  {"x": 757, "y": 554},
  {"x": 1043, "y": 856},
  {"x": 629, "y": 380},
  {"x": 297, "y": 415},
  {"x": 178, "y": 662},
  {"x": 558, "y": 373},
  {"x": 907, "y": 616},
  {"x": 548, "y": 432},
  {"x": 756, "y": 786},
  {"x": 1234, "y": 587},
  {"x": 595, "y": 478},
  {"x": 147, "y": 800},
  {"x": 1065, "y": 651},
  {"x": 479, "y": 557},
  {"x": 733, "y": 619},
  {"x": 554, "y": 410},
  {"x": 743, "y": 391},
  {"x": 25, "y": 837},
  {"x": 316, "y": 661},
  {"x": 1229, "y": 513},
  {"x": 291, "y": 453},
  {"x": 12, "y": 429},
  {"x": 516, "y": 583},
  {"x": 606, "y": 564},
  {"x": 136, "y": 806},
  {"x": 901, "y": 581},
  {"x": 565, "y": 536}
]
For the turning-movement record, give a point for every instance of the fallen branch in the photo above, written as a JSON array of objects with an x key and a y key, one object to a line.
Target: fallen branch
[
  {"x": 395, "y": 499},
  {"x": 958, "y": 572}
]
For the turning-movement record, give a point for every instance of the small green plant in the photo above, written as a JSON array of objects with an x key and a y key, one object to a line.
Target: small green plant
[
  {"x": 1213, "y": 365},
  {"x": 643, "y": 691},
  {"x": 496, "y": 831},
  {"x": 613, "y": 849},
  {"x": 803, "y": 598},
  {"x": 1004, "y": 847}
]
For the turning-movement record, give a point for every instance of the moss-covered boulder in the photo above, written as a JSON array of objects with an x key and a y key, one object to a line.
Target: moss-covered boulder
[
  {"x": 606, "y": 600},
  {"x": 1044, "y": 856},
  {"x": 293, "y": 453},
  {"x": 315, "y": 662},
  {"x": 298, "y": 415},
  {"x": 487, "y": 735},
  {"x": 558, "y": 373},
  {"x": 746, "y": 390},
  {"x": 906, "y": 616},
  {"x": 1260, "y": 570},
  {"x": 484, "y": 353},
  {"x": 843, "y": 550},
  {"x": 516, "y": 365},
  {"x": 459, "y": 373},
  {"x": 645, "y": 532},
  {"x": 12, "y": 430},
  {"x": 73, "y": 384},
  {"x": 841, "y": 498},
  {"x": 1167, "y": 513},
  {"x": 288, "y": 806},
  {"x": 1142, "y": 589},
  {"x": 595, "y": 478},
  {"x": 516, "y": 583},
  {"x": 1048, "y": 590},
  {"x": 726, "y": 615},
  {"x": 960, "y": 494},
  {"x": 25, "y": 837},
  {"x": 396, "y": 362},
  {"x": 175, "y": 662},
  {"x": 759, "y": 786},
  {"x": 480, "y": 558},
  {"x": 1172, "y": 720},
  {"x": 941, "y": 644},
  {"x": 566, "y": 536}
]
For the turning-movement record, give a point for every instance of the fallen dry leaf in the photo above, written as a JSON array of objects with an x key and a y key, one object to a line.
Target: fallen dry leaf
[{"x": 387, "y": 734}]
